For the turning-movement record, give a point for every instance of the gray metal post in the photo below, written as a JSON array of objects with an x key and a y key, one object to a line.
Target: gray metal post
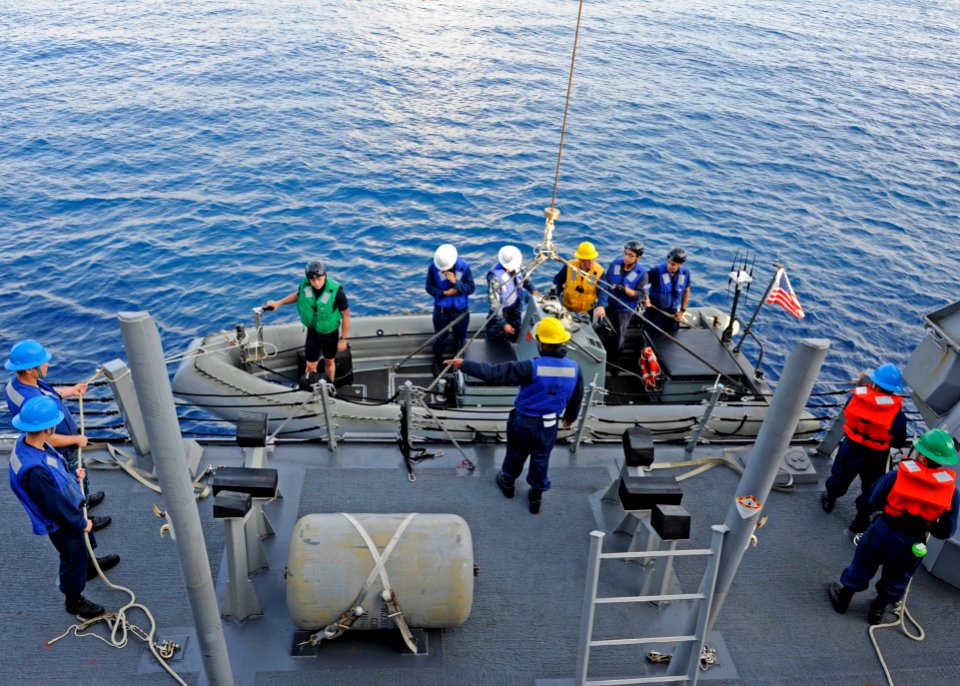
[
  {"x": 327, "y": 418},
  {"x": 702, "y": 424},
  {"x": 592, "y": 391},
  {"x": 778, "y": 427},
  {"x": 142, "y": 342},
  {"x": 239, "y": 598},
  {"x": 118, "y": 376},
  {"x": 589, "y": 596}
]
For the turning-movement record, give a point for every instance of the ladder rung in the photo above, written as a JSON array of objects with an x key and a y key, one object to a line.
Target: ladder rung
[
  {"x": 640, "y": 680},
  {"x": 656, "y": 553},
  {"x": 648, "y": 598},
  {"x": 640, "y": 641}
]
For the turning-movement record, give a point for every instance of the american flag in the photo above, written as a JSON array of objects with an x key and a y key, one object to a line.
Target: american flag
[{"x": 782, "y": 294}]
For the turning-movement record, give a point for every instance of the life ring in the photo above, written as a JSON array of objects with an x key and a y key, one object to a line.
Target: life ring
[{"x": 649, "y": 368}]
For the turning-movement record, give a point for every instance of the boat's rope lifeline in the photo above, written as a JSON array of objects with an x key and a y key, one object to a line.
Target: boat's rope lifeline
[
  {"x": 118, "y": 623},
  {"x": 903, "y": 614},
  {"x": 379, "y": 570}
]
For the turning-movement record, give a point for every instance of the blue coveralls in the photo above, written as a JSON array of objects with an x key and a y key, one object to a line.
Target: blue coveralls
[
  {"x": 549, "y": 385},
  {"x": 51, "y": 496},
  {"x": 18, "y": 393},
  {"x": 888, "y": 542},
  {"x": 855, "y": 459},
  {"x": 504, "y": 288},
  {"x": 446, "y": 308},
  {"x": 620, "y": 314},
  {"x": 666, "y": 293}
]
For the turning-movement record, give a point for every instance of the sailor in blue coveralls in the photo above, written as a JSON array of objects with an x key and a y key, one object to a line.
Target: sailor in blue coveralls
[
  {"x": 917, "y": 498},
  {"x": 505, "y": 287},
  {"x": 669, "y": 291},
  {"x": 627, "y": 281},
  {"x": 30, "y": 362},
  {"x": 51, "y": 495},
  {"x": 551, "y": 387},
  {"x": 873, "y": 423},
  {"x": 450, "y": 284}
]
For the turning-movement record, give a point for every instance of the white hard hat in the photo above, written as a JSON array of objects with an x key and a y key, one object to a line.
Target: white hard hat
[
  {"x": 445, "y": 257},
  {"x": 510, "y": 257}
]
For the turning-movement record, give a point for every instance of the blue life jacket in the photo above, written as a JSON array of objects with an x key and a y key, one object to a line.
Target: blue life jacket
[
  {"x": 666, "y": 289},
  {"x": 25, "y": 457},
  {"x": 616, "y": 275},
  {"x": 554, "y": 380},
  {"x": 18, "y": 393},
  {"x": 510, "y": 285},
  {"x": 460, "y": 301}
]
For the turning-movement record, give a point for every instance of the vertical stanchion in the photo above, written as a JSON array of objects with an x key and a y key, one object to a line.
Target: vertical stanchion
[
  {"x": 707, "y": 586},
  {"x": 325, "y": 402},
  {"x": 578, "y": 438},
  {"x": 702, "y": 425}
]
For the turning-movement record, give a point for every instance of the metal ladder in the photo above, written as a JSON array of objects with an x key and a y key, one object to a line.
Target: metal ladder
[{"x": 704, "y": 598}]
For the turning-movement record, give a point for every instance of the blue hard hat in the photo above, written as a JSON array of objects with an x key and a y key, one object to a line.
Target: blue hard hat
[
  {"x": 888, "y": 377},
  {"x": 27, "y": 355},
  {"x": 38, "y": 413}
]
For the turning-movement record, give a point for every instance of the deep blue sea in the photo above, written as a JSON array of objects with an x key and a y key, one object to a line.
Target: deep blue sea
[{"x": 188, "y": 158}]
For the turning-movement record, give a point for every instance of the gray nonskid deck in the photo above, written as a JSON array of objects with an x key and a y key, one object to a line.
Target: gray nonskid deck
[{"x": 777, "y": 624}]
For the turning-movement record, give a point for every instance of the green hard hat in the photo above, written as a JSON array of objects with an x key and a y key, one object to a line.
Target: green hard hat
[{"x": 938, "y": 445}]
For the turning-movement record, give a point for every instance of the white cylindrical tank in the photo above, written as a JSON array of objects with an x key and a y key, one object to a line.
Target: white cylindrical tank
[{"x": 430, "y": 570}]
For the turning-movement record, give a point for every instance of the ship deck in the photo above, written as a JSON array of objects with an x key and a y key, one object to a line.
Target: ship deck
[{"x": 776, "y": 626}]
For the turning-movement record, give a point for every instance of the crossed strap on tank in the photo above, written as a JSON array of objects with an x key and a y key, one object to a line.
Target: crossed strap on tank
[{"x": 355, "y": 611}]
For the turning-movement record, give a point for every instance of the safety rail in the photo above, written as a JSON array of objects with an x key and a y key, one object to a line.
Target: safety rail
[{"x": 704, "y": 597}]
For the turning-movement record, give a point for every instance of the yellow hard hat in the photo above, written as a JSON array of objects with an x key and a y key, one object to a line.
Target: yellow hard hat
[
  {"x": 586, "y": 251},
  {"x": 551, "y": 330}
]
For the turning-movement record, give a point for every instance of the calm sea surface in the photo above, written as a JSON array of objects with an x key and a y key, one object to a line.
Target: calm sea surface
[{"x": 188, "y": 158}]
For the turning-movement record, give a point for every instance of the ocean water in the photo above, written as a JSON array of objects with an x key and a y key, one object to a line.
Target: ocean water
[{"x": 188, "y": 158}]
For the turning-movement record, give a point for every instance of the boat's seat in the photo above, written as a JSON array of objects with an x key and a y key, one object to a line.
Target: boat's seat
[{"x": 490, "y": 352}]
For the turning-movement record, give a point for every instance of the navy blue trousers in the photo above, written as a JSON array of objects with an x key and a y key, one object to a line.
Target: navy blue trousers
[
  {"x": 883, "y": 546},
  {"x": 443, "y": 316},
  {"x": 70, "y": 455},
  {"x": 73, "y": 559},
  {"x": 854, "y": 460},
  {"x": 528, "y": 437}
]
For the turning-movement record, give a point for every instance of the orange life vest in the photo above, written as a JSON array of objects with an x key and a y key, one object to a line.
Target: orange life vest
[
  {"x": 584, "y": 299},
  {"x": 869, "y": 416},
  {"x": 649, "y": 368},
  {"x": 921, "y": 491}
]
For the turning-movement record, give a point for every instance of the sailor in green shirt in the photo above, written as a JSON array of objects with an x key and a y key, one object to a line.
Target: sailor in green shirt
[{"x": 324, "y": 310}]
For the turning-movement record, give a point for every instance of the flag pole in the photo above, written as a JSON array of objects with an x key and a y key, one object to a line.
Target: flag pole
[{"x": 763, "y": 300}]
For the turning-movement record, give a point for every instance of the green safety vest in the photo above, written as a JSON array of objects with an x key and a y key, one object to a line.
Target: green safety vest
[{"x": 318, "y": 310}]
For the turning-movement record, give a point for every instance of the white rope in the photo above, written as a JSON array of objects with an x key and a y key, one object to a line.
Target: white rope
[
  {"x": 118, "y": 622},
  {"x": 903, "y": 614}
]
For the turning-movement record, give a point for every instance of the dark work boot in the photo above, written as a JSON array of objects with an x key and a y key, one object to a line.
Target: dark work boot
[
  {"x": 106, "y": 562},
  {"x": 308, "y": 381},
  {"x": 80, "y": 606},
  {"x": 535, "y": 496},
  {"x": 95, "y": 499},
  {"x": 859, "y": 524},
  {"x": 506, "y": 486},
  {"x": 100, "y": 522},
  {"x": 876, "y": 611},
  {"x": 840, "y": 597},
  {"x": 826, "y": 502}
]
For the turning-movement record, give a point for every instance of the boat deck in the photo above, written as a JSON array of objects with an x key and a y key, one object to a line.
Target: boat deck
[{"x": 776, "y": 626}]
